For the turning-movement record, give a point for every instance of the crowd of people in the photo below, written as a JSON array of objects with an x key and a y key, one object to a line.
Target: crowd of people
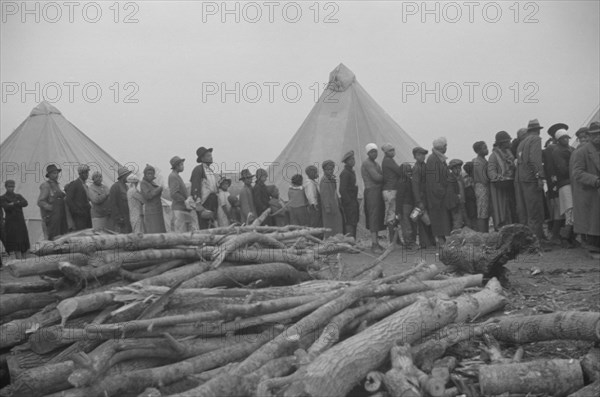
[{"x": 518, "y": 183}]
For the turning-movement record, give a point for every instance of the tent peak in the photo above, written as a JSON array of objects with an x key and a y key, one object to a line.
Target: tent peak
[
  {"x": 44, "y": 107},
  {"x": 341, "y": 78}
]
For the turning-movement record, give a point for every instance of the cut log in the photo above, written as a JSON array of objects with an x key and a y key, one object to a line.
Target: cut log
[
  {"x": 21, "y": 287},
  {"x": 409, "y": 287},
  {"x": 377, "y": 261},
  {"x": 590, "y": 363},
  {"x": 15, "y": 332},
  {"x": 253, "y": 255},
  {"x": 154, "y": 270},
  {"x": 559, "y": 325},
  {"x": 273, "y": 273},
  {"x": 76, "y": 306},
  {"x": 83, "y": 274},
  {"x": 258, "y": 221},
  {"x": 43, "y": 265},
  {"x": 558, "y": 378},
  {"x": 241, "y": 241},
  {"x": 593, "y": 389},
  {"x": 174, "y": 276}
]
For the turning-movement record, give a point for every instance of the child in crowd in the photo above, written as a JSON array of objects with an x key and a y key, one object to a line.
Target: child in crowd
[
  {"x": 279, "y": 212},
  {"x": 298, "y": 203},
  {"x": 224, "y": 210}
]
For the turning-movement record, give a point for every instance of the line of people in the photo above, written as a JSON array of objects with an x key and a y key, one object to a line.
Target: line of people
[{"x": 425, "y": 200}]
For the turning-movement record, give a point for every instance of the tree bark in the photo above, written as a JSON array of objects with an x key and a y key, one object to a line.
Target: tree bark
[
  {"x": 557, "y": 378},
  {"x": 23, "y": 287},
  {"x": 273, "y": 273},
  {"x": 11, "y": 303},
  {"x": 240, "y": 241},
  {"x": 13, "y": 333},
  {"x": 43, "y": 265},
  {"x": 593, "y": 389},
  {"x": 590, "y": 364},
  {"x": 173, "y": 276}
]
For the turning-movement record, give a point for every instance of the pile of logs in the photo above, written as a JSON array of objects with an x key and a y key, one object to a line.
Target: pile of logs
[{"x": 241, "y": 311}]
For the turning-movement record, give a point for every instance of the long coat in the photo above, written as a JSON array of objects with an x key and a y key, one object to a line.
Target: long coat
[
  {"x": 52, "y": 204},
  {"x": 585, "y": 171},
  {"x": 529, "y": 158},
  {"x": 154, "y": 221},
  {"x": 119, "y": 208},
  {"x": 16, "y": 237},
  {"x": 501, "y": 171},
  {"x": 79, "y": 204},
  {"x": 330, "y": 208},
  {"x": 349, "y": 196},
  {"x": 436, "y": 183}
]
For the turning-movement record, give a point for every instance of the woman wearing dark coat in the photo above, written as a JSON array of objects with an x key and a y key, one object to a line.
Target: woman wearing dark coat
[
  {"x": 349, "y": 194},
  {"x": 16, "y": 238},
  {"x": 436, "y": 185},
  {"x": 330, "y": 204}
]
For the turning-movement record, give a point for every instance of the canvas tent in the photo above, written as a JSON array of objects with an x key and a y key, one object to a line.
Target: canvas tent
[
  {"x": 46, "y": 137},
  {"x": 344, "y": 118}
]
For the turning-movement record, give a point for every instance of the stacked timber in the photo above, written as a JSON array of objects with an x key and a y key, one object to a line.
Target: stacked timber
[{"x": 241, "y": 311}]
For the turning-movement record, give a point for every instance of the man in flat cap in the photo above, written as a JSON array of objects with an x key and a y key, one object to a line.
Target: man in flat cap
[
  {"x": 349, "y": 194},
  {"x": 420, "y": 195},
  {"x": 182, "y": 216},
  {"x": 374, "y": 206},
  {"x": 52, "y": 204},
  {"x": 78, "y": 201},
  {"x": 391, "y": 175},
  {"x": 204, "y": 188},
  {"x": 530, "y": 180}
]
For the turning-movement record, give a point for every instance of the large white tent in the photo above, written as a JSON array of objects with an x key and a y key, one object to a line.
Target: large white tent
[{"x": 345, "y": 118}]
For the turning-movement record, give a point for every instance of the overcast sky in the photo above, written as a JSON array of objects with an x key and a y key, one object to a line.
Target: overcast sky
[{"x": 174, "y": 55}]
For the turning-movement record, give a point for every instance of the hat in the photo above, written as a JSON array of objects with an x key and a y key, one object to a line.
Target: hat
[
  {"x": 123, "y": 172},
  {"x": 133, "y": 178},
  {"x": 200, "y": 152},
  {"x": 502, "y": 136},
  {"x": 370, "y": 146},
  {"x": 9, "y": 182},
  {"x": 521, "y": 132},
  {"x": 346, "y": 156},
  {"x": 149, "y": 168},
  {"x": 327, "y": 163},
  {"x": 534, "y": 125},
  {"x": 261, "y": 172},
  {"x": 455, "y": 163},
  {"x": 51, "y": 168},
  {"x": 419, "y": 149},
  {"x": 581, "y": 131},
  {"x": 555, "y": 127},
  {"x": 387, "y": 147},
  {"x": 223, "y": 180},
  {"x": 83, "y": 168},
  {"x": 561, "y": 134},
  {"x": 594, "y": 128},
  {"x": 175, "y": 160},
  {"x": 246, "y": 174}
]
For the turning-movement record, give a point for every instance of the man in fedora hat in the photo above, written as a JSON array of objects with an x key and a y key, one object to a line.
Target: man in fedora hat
[
  {"x": 182, "y": 216},
  {"x": 52, "y": 204},
  {"x": 204, "y": 188},
  {"x": 530, "y": 180},
  {"x": 247, "y": 208},
  {"x": 119, "y": 206},
  {"x": 349, "y": 194},
  {"x": 585, "y": 178},
  {"x": 77, "y": 198},
  {"x": 420, "y": 196},
  {"x": 501, "y": 171}
]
